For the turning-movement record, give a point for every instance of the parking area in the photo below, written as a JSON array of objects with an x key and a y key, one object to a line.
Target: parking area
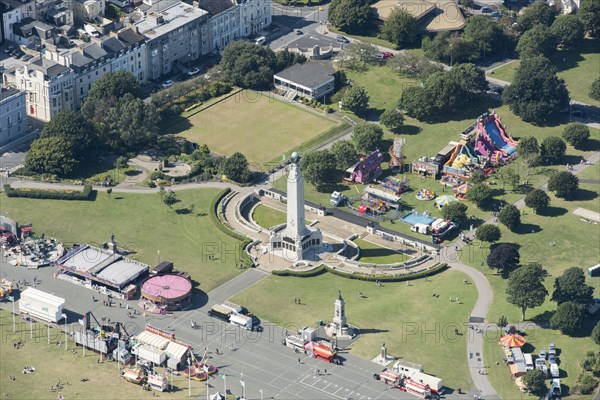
[{"x": 309, "y": 41}]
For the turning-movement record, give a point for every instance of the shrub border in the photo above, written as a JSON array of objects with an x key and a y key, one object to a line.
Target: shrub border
[
  {"x": 213, "y": 216},
  {"x": 86, "y": 194},
  {"x": 321, "y": 269}
]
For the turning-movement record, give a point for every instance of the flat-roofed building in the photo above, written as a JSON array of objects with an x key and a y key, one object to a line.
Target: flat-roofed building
[
  {"x": 313, "y": 80},
  {"x": 432, "y": 16}
]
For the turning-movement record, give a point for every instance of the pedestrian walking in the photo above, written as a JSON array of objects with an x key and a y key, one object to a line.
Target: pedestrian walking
[
  {"x": 298, "y": 360},
  {"x": 325, "y": 372}
]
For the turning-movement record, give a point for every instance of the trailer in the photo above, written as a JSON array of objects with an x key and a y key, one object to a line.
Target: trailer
[
  {"x": 242, "y": 321},
  {"x": 158, "y": 382},
  {"x": 294, "y": 342},
  {"x": 322, "y": 352},
  {"x": 419, "y": 379},
  {"x": 220, "y": 311},
  {"x": 41, "y": 305},
  {"x": 390, "y": 378}
]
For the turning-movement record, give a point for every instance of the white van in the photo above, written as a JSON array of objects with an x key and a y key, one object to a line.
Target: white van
[
  {"x": 528, "y": 361},
  {"x": 261, "y": 40}
]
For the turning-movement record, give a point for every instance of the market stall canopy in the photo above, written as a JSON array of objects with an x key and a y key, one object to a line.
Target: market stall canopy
[
  {"x": 512, "y": 340},
  {"x": 445, "y": 199}
]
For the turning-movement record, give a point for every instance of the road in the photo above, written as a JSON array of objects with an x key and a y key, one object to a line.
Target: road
[{"x": 266, "y": 364}]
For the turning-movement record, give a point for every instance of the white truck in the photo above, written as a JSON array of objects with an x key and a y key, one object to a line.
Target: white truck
[
  {"x": 41, "y": 305},
  {"x": 242, "y": 321},
  {"x": 554, "y": 370}
]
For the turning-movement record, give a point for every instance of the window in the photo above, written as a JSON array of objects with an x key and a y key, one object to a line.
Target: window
[
  {"x": 8, "y": 120},
  {"x": 19, "y": 116},
  {"x": 54, "y": 102}
]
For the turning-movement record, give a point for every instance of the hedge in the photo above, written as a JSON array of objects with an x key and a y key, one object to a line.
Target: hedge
[
  {"x": 213, "y": 216},
  {"x": 390, "y": 278},
  {"x": 321, "y": 269},
  {"x": 86, "y": 194}
]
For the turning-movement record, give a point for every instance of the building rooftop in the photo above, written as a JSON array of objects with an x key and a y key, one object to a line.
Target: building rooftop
[
  {"x": 433, "y": 16},
  {"x": 165, "y": 20},
  {"x": 29, "y": 26},
  {"x": 215, "y": 7},
  {"x": 5, "y": 93},
  {"x": 87, "y": 258},
  {"x": 310, "y": 74},
  {"x": 49, "y": 68},
  {"x": 130, "y": 36},
  {"x": 122, "y": 272},
  {"x": 94, "y": 51}
]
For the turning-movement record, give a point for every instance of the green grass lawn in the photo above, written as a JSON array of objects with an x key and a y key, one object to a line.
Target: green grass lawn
[
  {"x": 141, "y": 223},
  {"x": 578, "y": 67},
  {"x": 53, "y": 363},
  {"x": 571, "y": 351},
  {"x": 414, "y": 325},
  {"x": 254, "y": 123},
  {"x": 268, "y": 217},
  {"x": 372, "y": 253}
]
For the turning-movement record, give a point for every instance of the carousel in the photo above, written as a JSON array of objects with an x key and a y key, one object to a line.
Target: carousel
[{"x": 425, "y": 194}]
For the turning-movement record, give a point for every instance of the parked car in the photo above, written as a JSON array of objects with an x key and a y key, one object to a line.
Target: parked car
[
  {"x": 167, "y": 84},
  {"x": 543, "y": 354},
  {"x": 486, "y": 10},
  {"x": 551, "y": 349},
  {"x": 298, "y": 32},
  {"x": 379, "y": 55},
  {"x": 387, "y": 55},
  {"x": 194, "y": 71},
  {"x": 26, "y": 57},
  {"x": 9, "y": 49},
  {"x": 18, "y": 54},
  {"x": 552, "y": 358},
  {"x": 341, "y": 39}
]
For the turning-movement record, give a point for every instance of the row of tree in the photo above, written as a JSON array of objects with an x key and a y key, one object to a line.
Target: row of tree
[
  {"x": 113, "y": 118},
  {"x": 443, "y": 92}
]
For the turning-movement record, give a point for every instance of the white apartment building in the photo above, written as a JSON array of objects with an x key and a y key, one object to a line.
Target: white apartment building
[
  {"x": 127, "y": 52},
  {"x": 15, "y": 12},
  {"x": 175, "y": 32},
  {"x": 233, "y": 19},
  {"x": 49, "y": 88},
  {"x": 13, "y": 115}
]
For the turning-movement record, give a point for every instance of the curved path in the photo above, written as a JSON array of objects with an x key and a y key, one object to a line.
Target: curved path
[{"x": 450, "y": 254}]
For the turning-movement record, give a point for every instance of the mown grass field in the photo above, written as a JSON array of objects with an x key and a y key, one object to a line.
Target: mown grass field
[
  {"x": 255, "y": 124},
  {"x": 141, "y": 223},
  {"x": 52, "y": 363},
  {"x": 373, "y": 253},
  {"x": 578, "y": 67},
  {"x": 571, "y": 350},
  {"x": 414, "y": 325}
]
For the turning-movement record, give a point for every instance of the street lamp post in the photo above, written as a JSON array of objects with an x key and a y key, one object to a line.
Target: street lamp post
[
  {"x": 158, "y": 255},
  {"x": 261, "y": 394}
]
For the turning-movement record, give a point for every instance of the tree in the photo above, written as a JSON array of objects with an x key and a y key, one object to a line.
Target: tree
[
  {"x": 169, "y": 198},
  {"x": 571, "y": 287},
  {"x": 130, "y": 124},
  {"x": 121, "y": 162},
  {"x": 477, "y": 176},
  {"x": 538, "y": 41},
  {"x": 537, "y": 13},
  {"x": 535, "y": 381},
  {"x": 504, "y": 258},
  {"x": 366, "y": 137},
  {"x": 510, "y": 176},
  {"x": 479, "y": 193},
  {"x": 74, "y": 128},
  {"x": 596, "y": 333},
  {"x": 400, "y": 28},
  {"x": 537, "y": 200},
  {"x": 526, "y": 287},
  {"x": 576, "y": 134},
  {"x": 361, "y": 51},
  {"x": 392, "y": 119},
  {"x": 567, "y": 29},
  {"x": 52, "y": 155},
  {"x": 568, "y": 318},
  {"x": 589, "y": 14},
  {"x": 536, "y": 91},
  {"x": 510, "y": 216},
  {"x": 415, "y": 102},
  {"x": 595, "y": 90},
  {"x": 488, "y": 233},
  {"x": 553, "y": 150},
  {"x": 236, "y": 168},
  {"x": 344, "y": 153},
  {"x": 349, "y": 15},
  {"x": 107, "y": 91},
  {"x": 485, "y": 35},
  {"x": 528, "y": 148},
  {"x": 455, "y": 212},
  {"x": 286, "y": 58},
  {"x": 563, "y": 184},
  {"x": 413, "y": 65},
  {"x": 448, "y": 47},
  {"x": 356, "y": 99},
  {"x": 248, "y": 65},
  {"x": 469, "y": 77},
  {"x": 319, "y": 169}
]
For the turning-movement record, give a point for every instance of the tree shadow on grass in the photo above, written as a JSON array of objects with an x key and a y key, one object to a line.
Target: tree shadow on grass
[
  {"x": 572, "y": 159},
  {"x": 409, "y": 130},
  {"x": 543, "y": 319},
  {"x": 183, "y": 211},
  {"x": 373, "y": 114},
  {"x": 175, "y": 124},
  {"x": 367, "y": 331},
  {"x": 133, "y": 172},
  {"x": 590, "y": 145},
  {"x": 552, "y": 211},
  {"x": 584, "y": 195},
  {"x": 525, "y": 229},
  {"x": 118, "y": 198}
]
